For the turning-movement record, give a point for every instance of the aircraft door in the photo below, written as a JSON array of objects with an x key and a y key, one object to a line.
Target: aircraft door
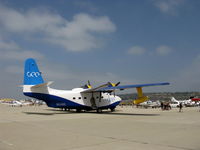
[
  {"x": 92, "y": 101},
  {"x": 109, "y": 99},
  {"x": 98, "y": 99}
]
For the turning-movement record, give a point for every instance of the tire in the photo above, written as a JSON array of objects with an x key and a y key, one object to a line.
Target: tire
[{"x": 112, "y": 109}]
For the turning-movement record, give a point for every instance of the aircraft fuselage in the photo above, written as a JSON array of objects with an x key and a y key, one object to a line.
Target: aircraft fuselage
[{"x": 73, "y": 99}]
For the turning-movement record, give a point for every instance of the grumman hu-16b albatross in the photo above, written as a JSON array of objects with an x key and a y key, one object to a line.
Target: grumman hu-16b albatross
[{"x": 84, "y": 98}]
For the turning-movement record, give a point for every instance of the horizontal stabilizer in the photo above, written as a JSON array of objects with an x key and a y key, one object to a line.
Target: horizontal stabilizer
[
  {"x": 42, "y": 85},
  {"x": 21, "y": 86}
]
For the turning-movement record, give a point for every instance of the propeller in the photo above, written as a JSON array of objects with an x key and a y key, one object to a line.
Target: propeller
[
  {"x": 87, "y": 86},
  {"x": 117, "y": 83},
  {"x": 113, "y": 85}
]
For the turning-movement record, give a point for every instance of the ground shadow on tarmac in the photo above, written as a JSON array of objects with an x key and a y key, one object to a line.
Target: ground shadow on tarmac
[
  {"x": 129, "y": 114},
  {"x": 117, "y": 112},
  {"x": 40, "y": 113}
]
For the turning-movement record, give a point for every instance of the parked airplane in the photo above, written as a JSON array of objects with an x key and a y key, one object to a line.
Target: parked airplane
[
  {"x": 195, "y": 99},
  {"x": 175, "y": 103},
  {"x": 84, "y": 98},
  {"x": 150, "y": 104},
  {"x": 16, "y": 103},
  {"x": 13, "y": 103}
]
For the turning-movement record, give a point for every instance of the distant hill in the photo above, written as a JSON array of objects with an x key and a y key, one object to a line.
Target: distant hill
[{"x": 165, "y": 96}]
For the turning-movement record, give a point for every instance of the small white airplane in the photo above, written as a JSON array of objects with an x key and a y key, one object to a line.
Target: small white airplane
[
  {"x": 174, "y": 103},
  {"x": 150, "y": 104},
  {"x": 84, "y": 98},
  {"x": 15, "y": 104},
  {"x": 11, "y": 102},
  {"x": 187, "y": 103}
]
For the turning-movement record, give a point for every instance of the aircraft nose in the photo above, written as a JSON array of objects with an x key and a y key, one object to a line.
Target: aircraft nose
[{"x": 118, "y": 98}]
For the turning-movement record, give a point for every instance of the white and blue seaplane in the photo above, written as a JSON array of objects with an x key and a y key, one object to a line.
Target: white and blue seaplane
[{"x": 85, "y": 98}]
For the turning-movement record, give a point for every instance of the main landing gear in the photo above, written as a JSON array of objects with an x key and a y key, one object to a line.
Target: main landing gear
[
  {"x": 78, "y": 110},
  {"x": 99, "y": 110},
  {"x": 112, "y": 109}
]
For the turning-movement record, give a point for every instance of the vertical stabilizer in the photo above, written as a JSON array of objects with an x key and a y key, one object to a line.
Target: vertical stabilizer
[{"x": 32, "y": 75}]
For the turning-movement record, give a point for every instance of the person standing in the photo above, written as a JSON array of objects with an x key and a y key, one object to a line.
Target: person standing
[
  {"x": 161, "y": 105},
  {"x": 180, "y": 107}
]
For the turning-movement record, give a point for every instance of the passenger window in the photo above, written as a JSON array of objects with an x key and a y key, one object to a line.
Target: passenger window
[
  {"x": 85, "y": 97},
  {"x": 79, "y": 98},
  {"x": 74, "y": 97}
]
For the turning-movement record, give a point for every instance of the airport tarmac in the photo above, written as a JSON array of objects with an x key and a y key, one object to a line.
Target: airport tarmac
[{"x": 43, "y": 128}]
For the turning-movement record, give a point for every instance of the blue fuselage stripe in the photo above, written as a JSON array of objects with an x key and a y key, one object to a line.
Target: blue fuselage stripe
[{"x": 59, "y": 102}]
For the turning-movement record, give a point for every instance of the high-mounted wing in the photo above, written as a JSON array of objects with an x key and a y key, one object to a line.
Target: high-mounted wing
[
  {"x": 141, "y": 97},
  {"x": 96, "y": 89},
  {"x": 122, "y": 87},
  {"x": 107, "y": 88}
]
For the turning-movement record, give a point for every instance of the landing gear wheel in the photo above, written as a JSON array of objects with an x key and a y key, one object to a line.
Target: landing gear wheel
[
  {"x": 99, "y": 110},
  {"x": 112, "y": 109},
  {"x": 78, "y": 110}
]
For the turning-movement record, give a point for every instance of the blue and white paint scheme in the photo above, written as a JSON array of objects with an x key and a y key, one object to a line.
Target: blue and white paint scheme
[{"x": 85, "y": 98}]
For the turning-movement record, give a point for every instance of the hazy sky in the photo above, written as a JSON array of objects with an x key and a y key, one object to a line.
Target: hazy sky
[{"x": 73, "y": 41}]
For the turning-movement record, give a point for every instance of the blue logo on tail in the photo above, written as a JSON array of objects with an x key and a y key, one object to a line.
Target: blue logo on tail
[{"x": 32, "y": 75}]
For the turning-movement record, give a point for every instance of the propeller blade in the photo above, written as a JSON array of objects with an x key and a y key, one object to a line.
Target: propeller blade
[
  {"x": 110, "y": 84},
  {"x": 89, "y": 83},
  {"x": 113, "y": 84},
  {"x": 117, "y": 83}
]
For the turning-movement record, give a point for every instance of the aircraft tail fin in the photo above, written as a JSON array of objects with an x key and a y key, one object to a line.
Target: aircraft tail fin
[
  {"x": 32, "y": 75},
  {"x": 173, "y": 99}
]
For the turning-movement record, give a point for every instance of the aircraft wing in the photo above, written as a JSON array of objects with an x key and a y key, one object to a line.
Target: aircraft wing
[
  {"x": 106, "y": 88},
  {"x": 122, "y": 87},
  {"x": 96, "y": 89}
]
